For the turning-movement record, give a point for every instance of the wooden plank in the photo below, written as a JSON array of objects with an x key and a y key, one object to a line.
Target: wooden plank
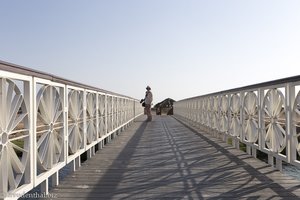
[{"x": 166, "y": 160}]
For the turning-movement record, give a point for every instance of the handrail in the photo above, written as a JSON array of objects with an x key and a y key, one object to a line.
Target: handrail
[
  {"x": 263, "y": 117},
  {"x": 48, "y": 122},
  {"x": 10, "y": 67},
  {"x": 249, "y": 87}
]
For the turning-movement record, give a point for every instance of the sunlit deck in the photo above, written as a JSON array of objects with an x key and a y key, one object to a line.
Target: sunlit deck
[{"x": 165, "y": 159}]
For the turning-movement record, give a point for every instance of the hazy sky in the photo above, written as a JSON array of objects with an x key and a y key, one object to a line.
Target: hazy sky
[{"x": 181, "y": 48}]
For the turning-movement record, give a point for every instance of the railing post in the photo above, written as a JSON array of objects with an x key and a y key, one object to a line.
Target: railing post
[
  {"x": 97, "y": 117},
  {"x": 100, "y": 145},
  {"x": 90, "y": 153},
  {"x": 242, "y": 118},
  {"x": 45, "y": 186},
  {"x": 248, "y": 149},
  {"x": 106, "y": 116},
  {"x": 55, "y": 179},
  {"x": 260, "y": 118},
  {"x": 84, "y": 119},
  {"x": 34, "y": 134},
  {"x": 291, "y": 147},
  {"x": 66, "y": 123},
  {"x": 279, "y": 164},
  {"x": 237, "y": 143},
  {"x": 254, "y": 152},
  {"x": 271, "y": 160}
]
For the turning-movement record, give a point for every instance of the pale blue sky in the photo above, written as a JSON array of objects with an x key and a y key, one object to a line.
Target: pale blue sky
[{"x": 180, "y": 48}]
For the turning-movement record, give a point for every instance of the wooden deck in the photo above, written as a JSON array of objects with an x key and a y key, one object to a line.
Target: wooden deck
[{"x": 164, "y": 159}]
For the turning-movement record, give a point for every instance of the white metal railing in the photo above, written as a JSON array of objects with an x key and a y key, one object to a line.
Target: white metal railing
[
  {"x": 47, "y": 122},
  {"x": 265, "y": 117}
]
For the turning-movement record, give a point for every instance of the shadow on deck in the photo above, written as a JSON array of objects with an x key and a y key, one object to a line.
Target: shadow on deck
[{"x": 165, "y": 159}]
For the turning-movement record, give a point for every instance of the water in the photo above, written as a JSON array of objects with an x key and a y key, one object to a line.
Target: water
[{"x": 291, "y": 170}]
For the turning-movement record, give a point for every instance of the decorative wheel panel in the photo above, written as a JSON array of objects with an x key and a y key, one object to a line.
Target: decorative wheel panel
[
  {"x": 201, "y": 111},
  {"x": 198, "y": 115},
  {"x": 215, "y": 117},
  {"x": 50, "y": 127},
  {"x": 223, "y": 114},
  {"x": 109, "y": 114},
  {"x": 274, "y": 112},
  {"x": 101, "y": 113},
  {"x": 115, "y": 112},
  {"x": 120, "y": 111},
  {"x": 209, "y": 111},
  {"x": 195, "y": 111},
  {"x": 235, "y": 125},
  {"x": 14, "y": 136},
  {"x": 75, "y": 121},
  {"x": 205, "y": 111},
  {"x": 250, "y": 117},
  {"x": 91, "y": 118},
  {"x": 296, "y": 123}
]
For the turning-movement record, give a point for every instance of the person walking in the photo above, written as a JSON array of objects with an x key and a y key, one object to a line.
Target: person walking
[{"x": 148, "y": 101}]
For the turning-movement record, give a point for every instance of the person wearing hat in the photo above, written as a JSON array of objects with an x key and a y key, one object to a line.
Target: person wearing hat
[{"x": 148, "y": 102}]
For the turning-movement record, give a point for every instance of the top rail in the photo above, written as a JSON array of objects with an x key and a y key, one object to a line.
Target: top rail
[
  {"x": 250, "y": 87},
  {"x": 10, "y": 67}
]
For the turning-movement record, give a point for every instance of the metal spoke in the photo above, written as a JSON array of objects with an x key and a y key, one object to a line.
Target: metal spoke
[
  {"x": 278, "y": 107},
  {"x": 57, "y": 146},
  {"x": 42, "y": 132},
  {"x": 44, "y": 114},
  {"x": 267, "y": 112},
  {"x": 71, "y": 127},
  {"x": 247, "y": 130},
  {"x": 57, "y": 113},
  {"x": 9, "y": 93},
  {"x": 16, "y": 163},
  {"x": 72, "y": 111},
  {"x": 268, "y": 108},
  {"x": 297, "y": 112},
  {"x": 43, "y": 149},
  {"x": 3, "y": 102},
  {"x": 281, "y": 132},
  {"x": 72, "y": 141},
  {"x": 15, "y": 105},
  {"x": 44, "y": 136},
  {"x": 252, "y": 103},
  {"x": 269, "y": 134},
  {"x": 79, "y": 137},
  {"x": 11, "y": 176},
  {"x": 17, "y": 121},
  {"x": 43, "y": 119},
  {"x": 277, "y": 139}
]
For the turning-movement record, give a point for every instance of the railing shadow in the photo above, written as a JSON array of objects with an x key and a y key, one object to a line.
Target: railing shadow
[
  {"x": 108, "y": 188},
  {"x": 246, "y": 188},
  {"x": 159, "y": 162}
]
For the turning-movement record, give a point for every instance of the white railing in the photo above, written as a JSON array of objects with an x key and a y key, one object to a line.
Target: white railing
[
  {"x": 265, "y": 117},
  {"x": 47, "y": 122}
]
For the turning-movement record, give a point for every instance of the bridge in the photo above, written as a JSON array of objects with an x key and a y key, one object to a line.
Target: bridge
[{"x": 207, "y": 150}]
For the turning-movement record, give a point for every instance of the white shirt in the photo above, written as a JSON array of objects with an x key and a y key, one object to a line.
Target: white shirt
[{"x": 148, "y": 97}]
